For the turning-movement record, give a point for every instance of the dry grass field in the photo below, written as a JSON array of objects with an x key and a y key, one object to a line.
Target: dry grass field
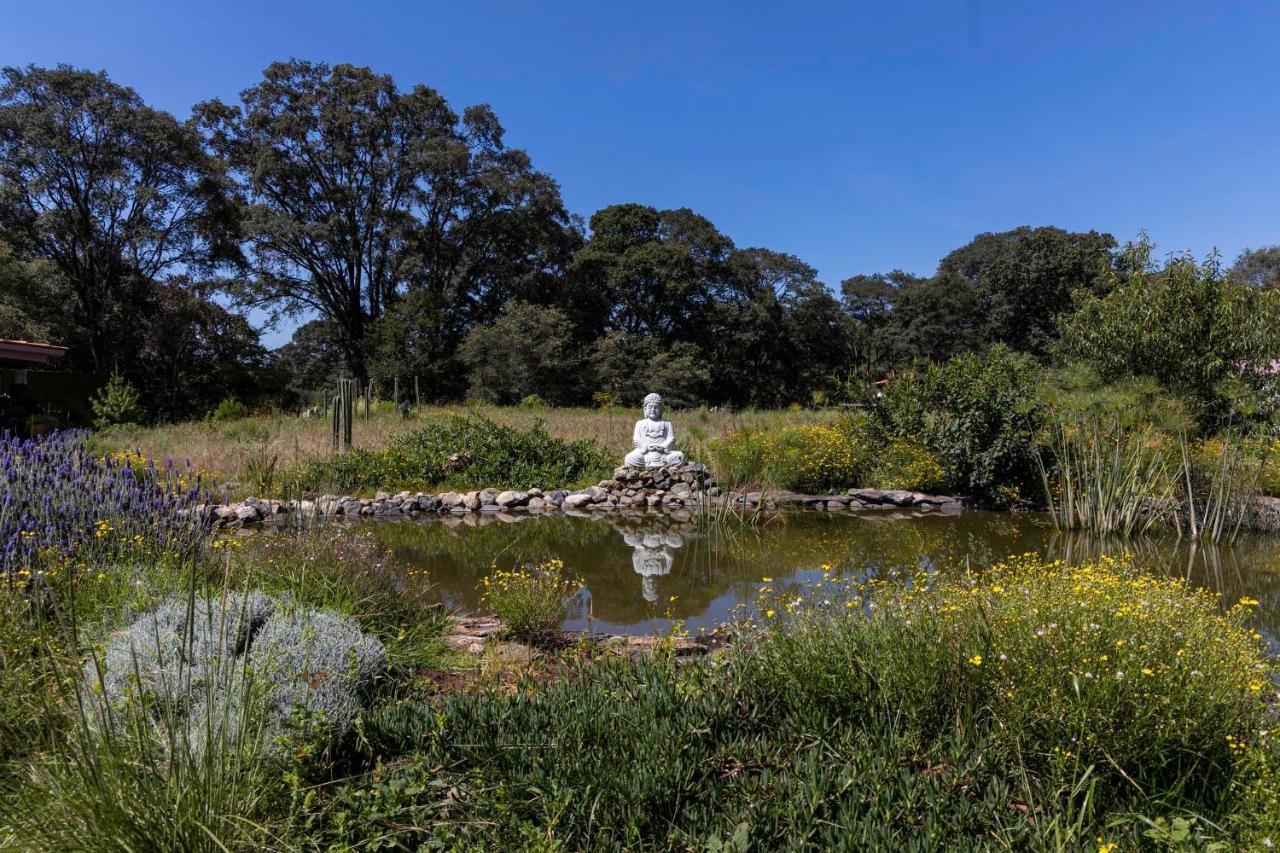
[{"x": 224, "y": 449}]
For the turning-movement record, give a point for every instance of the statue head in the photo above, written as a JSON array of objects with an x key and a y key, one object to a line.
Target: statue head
[{"x": 653, "y": 407}]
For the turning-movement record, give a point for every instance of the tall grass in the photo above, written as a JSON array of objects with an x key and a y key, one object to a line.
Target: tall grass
[
  {"x": 1109, "y": 477},
  {"x": 147, "y": 773},
  {"x": 1219, "y": 477},
  {"x": 222, "y": 448},
  {"x": 1105, "y": 477}
]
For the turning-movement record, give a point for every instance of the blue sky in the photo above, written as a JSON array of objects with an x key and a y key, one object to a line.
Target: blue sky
[{"x": 858, "y": 136}]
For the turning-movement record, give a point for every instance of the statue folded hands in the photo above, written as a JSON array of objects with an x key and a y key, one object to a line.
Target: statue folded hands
[{"x": 653, "y": 438}]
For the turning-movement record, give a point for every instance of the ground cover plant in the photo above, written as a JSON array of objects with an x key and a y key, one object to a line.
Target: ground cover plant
[
  {"x": 531, "y": 600},
  {"x": 1031, "y": 706}
]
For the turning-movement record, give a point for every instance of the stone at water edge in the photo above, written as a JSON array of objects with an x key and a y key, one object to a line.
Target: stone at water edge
[
  {"x": 511, "y": 498},
  {"x": 577, "y": 500}
]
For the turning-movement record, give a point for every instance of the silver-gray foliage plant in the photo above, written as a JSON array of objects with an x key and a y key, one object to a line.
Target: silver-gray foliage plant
[{"x": 197, "y": 666}]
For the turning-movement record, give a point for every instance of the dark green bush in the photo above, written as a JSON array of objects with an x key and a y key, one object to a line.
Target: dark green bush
[
  {"x": 979, "y": 413},
  {"x": 229, "y": 409},
  {"x": 468, "y": 450}
]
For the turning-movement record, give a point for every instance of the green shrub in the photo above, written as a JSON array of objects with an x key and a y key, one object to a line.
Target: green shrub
[
  {"x": 814, "y": 458},
  {"x": 229, "y": 409},
  {"x": 809, "y": 458},
  {"x": 1201, "y": 336},
  {"x": 468, "y": 450},
  {"x": 1268, "y": 452},
  {"x": 116, "y": 404},
  {"x": 530, "y": 601},
  {"x": 978, "y": 413},
  {"x": 533, "y": 402},
  {"x": 903, "y": 463}
]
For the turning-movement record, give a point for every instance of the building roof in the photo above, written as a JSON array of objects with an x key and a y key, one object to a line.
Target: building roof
[{"x": 29, "y": 353}]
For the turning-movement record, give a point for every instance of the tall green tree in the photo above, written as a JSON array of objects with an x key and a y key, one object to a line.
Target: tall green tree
[
  {"x": 777, "y": 334},
  {"x": 33, "y": 299},
  {"x": 1206, "y": 339},
  {"x": 1024, "y": 278},
  {"x": 193, "y": 353},
  {"x": 648, "y": 273},
  {"x": 1258, "y": 267},
  {"x": 527, "y": 350},
  {"x": 351, "y": 192},
  {"x": 110, "y": 192}
]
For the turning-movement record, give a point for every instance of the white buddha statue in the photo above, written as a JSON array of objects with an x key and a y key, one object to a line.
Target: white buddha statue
[
  {"x": 652, "y": 558},
  {"x": 654, "y": 439}
]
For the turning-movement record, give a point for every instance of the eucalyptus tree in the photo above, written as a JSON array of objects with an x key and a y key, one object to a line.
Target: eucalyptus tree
[
  {"x": 1259, "y": 267},
  {"x": 110, "y": 192},
  {"x": 351, "y": 192}
]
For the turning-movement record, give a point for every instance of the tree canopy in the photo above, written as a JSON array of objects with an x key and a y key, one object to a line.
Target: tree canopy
[
  {"x": 414, "y": 247},
  {"x": 109, "y": 191},
  {"x": 350, "y": 192}
]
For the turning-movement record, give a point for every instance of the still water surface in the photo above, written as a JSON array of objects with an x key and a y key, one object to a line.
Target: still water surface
[{"x": 642, "y": 573}]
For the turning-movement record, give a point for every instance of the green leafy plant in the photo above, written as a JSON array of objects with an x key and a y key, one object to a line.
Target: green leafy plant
[
  {"x": 533, "y": 402},
  {"x": 907, "y": 464},
  {"x": 530, "y": 601},
  {"x": 978, "y": 413},
  {"x": 497, "y": 456},
  {"x": 229, "y": 409},
  {"x": 808, "y": 458},
  {"x": 1201, "y": 336},
  {"x": 116, "y": 403}
]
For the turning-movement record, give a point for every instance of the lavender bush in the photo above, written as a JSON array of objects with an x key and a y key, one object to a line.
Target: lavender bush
[{"x": 59, "y": 502}]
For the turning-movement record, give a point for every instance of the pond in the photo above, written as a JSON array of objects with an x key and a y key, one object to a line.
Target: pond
[{"x": 644, "y": 572}]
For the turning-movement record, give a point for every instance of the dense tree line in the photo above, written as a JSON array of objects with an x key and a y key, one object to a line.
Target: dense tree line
[{"x": 419, "y": 250}]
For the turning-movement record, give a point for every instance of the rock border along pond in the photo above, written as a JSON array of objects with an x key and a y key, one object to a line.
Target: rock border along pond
[{"x": 671, "y": 487}]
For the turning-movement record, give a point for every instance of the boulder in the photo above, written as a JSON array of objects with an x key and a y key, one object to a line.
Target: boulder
[
  {"x": 577, "y": 500},
  {"x": 511, "y": 498}
]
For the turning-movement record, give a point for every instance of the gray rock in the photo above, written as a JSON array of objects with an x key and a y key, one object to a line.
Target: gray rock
[
  {"x": 471, "y": 500},
  {"x": 577, "y": 500},
  {"x": 511, "y": 498},
  {"x": 899, "y": 497},
  {"x": 451, "y": 500}
]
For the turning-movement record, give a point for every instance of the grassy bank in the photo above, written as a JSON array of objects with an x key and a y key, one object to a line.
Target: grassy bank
[{"x": 239, "y": 451}]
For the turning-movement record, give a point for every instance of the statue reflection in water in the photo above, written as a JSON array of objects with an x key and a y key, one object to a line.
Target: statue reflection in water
[{"x": 652, "y": 557}]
